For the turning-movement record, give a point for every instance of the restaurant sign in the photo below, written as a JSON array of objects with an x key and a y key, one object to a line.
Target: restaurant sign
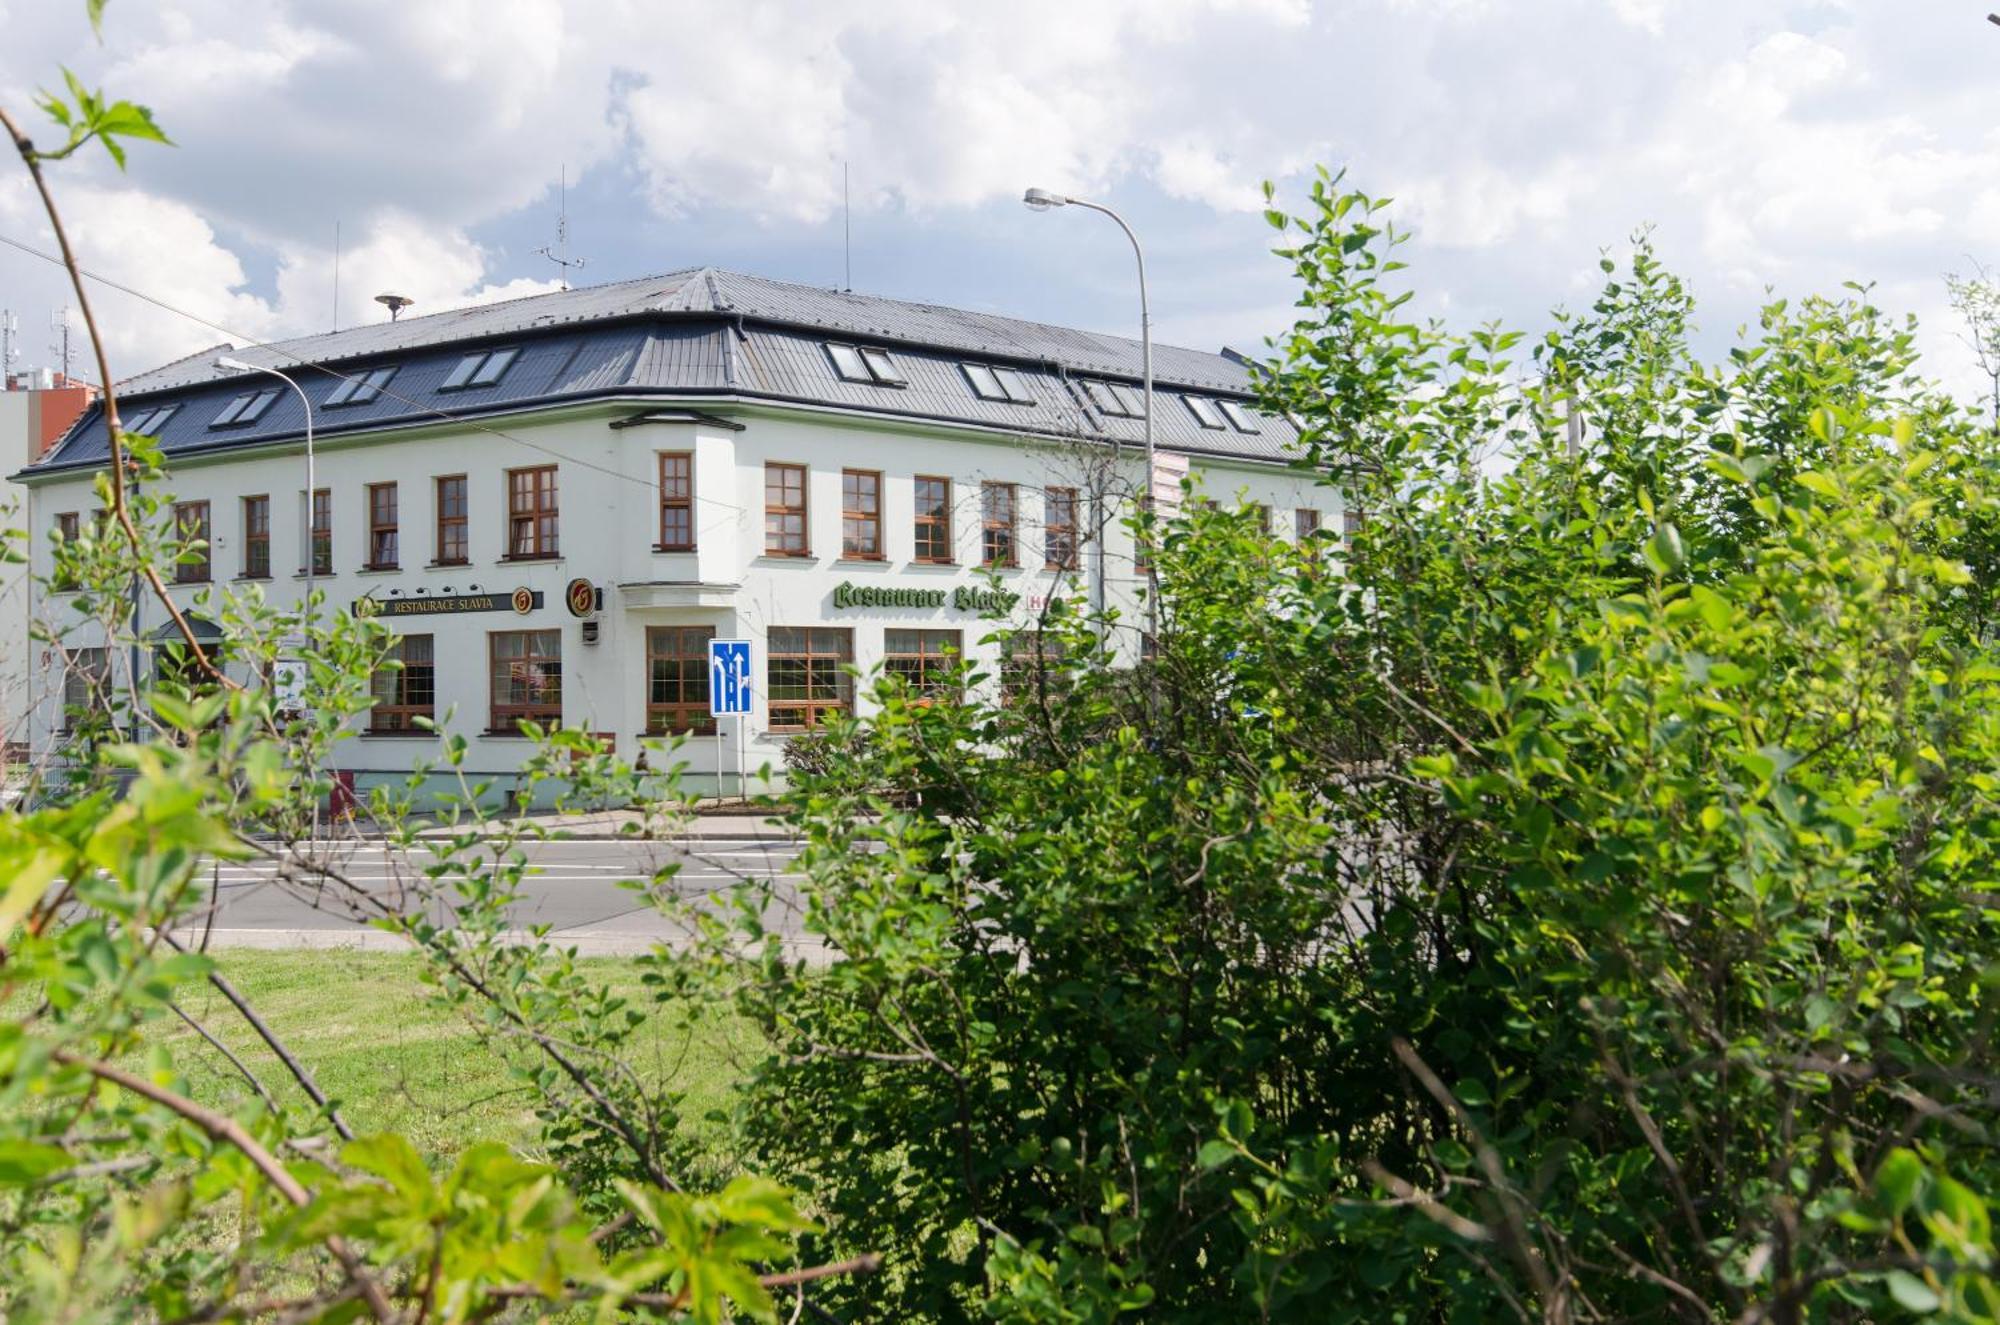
[
  {"x": 965, "y": 598},
  {"x": 522, "y": 601}
]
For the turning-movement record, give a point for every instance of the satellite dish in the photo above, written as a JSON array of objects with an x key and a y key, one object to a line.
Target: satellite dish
[{"x": 395, "y": 303}]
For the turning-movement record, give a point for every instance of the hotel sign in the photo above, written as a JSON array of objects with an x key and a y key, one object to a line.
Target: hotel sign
[
  {"x": 965, "y": 598},
  {"x": 522, "y": 601}
]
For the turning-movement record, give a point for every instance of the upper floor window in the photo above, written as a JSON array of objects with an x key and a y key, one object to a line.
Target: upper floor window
[
  {"x": 257, "y": 538},
  {"x": 676, "y": 501},
  {"x": 322, "y": 532},
  {"x": 861, "y": 514},
  {"x": 383, "y": 540},
  {"x": 1059, "y": 528},
  {"x": 1239, "y": 418},
  {"x": 865, "y": 363},
  {"x": 246, "y": 408},
  {"x": 451, "y": 544},
  {"x": 68, "y": 526},
  {"x": 531, "y": 512},
  {"x": 933, "y": 523},
  {"x": 785, "y": 510},
  {"x": 359, "y": 389},
  {"x": 191, "y": 524},
  {"x": 1204, "y": 412},
  {"x": 481, "y": 368},
  {"x": 1263, "y": 516},
  {"x": 1305, "y": 523},
  {"x": 996, "y": 546},
  {"x": 1115, "y": 399},
  {"x": 1352, "y": 521},
  {"x": 147, "y": 422}
]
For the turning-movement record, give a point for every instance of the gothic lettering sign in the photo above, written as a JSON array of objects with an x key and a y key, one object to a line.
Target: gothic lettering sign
[
  {"x": 965, "y": 598},
  {"x": 519, "y": 600}
]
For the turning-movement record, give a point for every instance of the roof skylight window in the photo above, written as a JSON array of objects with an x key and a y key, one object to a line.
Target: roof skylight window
[
  {"x": 360, "y": 388},
  {"x": 985, "y": 384},
  {"x": 1115, "y": 399},
  {"x": 1204, "y": 412},
  {"x": 246, "y": 408},
  {"x": 1015, "y": 385},
  {"x": 1239, "y": 418},
  {"x": 866, "y": 364},
  {"x": 148, "y": 421},
  {"x": 479, "y": 369},
  {"x": 884, "y": 367}
]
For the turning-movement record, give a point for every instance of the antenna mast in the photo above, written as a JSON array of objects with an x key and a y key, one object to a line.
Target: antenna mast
[
  {"x": 59, "y": 323},
  {"x": 8, "y": 353},
  {"x": 846, "y": 235},
  {"x": 558, "y": 252}
]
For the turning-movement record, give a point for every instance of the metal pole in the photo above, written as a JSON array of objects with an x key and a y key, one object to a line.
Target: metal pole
[{"x": 1146, "y": 369}]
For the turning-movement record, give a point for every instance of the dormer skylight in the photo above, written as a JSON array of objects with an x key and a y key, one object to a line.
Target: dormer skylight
[
  {"x": 359, "y": 389},
  {"x": 483, "y": 368},
  {"x": 246, "y": 408},
  {"x": 865, "y": 364},
  {"x": 1204, "y": 412},
  {"x": 148, "y": 421},
  {"x": 1239, "y": 418},
  {"x": 1002, "y": 384},
  {"x": 1015, "y": 385},
  {"x": 1115, "y": 399}
]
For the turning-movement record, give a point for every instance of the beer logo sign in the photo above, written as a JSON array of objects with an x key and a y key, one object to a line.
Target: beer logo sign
[
  {"x": 524, "y": 601},
  {"x": 581, "y": 596}
]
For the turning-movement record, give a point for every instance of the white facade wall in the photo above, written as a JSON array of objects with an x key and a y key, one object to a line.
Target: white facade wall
[{"x": 609, "y": 522}]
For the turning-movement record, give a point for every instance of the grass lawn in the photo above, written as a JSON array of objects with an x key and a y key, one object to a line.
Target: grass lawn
[{"x": 395, "y": 1060}]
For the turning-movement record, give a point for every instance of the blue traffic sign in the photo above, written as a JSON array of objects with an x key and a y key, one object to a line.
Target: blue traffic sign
[{"x": 728, "y": 676}]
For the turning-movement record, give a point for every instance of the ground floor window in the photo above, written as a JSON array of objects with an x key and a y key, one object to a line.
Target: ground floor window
[
  {"x": 86, "y": 686},
  {"x": 1029, "y": 665},
  {"x": 927, "y": 659},
  {"x": 806, "y": 678},
  {"x": 407, "y": 692},
  {"x": 527, "y": 678},
  {"x": 677, "y": 679}
]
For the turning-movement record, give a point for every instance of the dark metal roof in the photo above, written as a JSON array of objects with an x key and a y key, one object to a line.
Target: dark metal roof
[{"x": 699, "y": 332}]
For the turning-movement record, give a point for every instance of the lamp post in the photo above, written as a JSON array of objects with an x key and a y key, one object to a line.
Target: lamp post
[
  {"x": 228, "y": 364},
  {"x": 1042, "y": 200}
]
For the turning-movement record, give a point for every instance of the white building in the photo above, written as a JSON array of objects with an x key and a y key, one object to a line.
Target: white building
[{"x": 695, "y": 456}]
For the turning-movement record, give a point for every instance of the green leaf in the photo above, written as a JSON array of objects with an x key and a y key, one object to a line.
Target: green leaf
[
  {"x": 1911, "y": 1293},
  {"x": 23, "y": 1162},
  {"x": 1663, "y": 551},
  {"x": 1899, "y": 1178}
]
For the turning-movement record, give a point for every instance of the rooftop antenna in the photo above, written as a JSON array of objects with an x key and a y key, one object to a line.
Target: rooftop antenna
[
  {"x": 336, "y": 276},
  {"x": 846, "y": 235},
  {"x": 558, "y": 252},
  {"x": 9, "y": 330},
  {"x": 59, "y": 323},
  {"x": 395, "y": 303}
]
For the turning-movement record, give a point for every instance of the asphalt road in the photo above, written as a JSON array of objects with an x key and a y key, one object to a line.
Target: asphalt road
[{"x": 573, "y": 887}]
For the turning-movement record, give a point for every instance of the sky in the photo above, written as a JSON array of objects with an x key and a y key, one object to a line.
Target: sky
[{"x": 1770, "y": 146}]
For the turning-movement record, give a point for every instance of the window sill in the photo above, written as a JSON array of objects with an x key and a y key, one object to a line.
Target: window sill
[
  {"x": 400, "y": 736},
  {"x": 241, "y": 579},
  {"x": 447, "y": 565},
  {"x": 664, "y": 550},
  {"x": 920, "y": 563},
  {"x": 379, "y": 570},
  {"x": 860, "y": 561},
  {"x": 183, "y": 584},
  {"x": 536, "y": 557},
  {"x": 768, "y": 555},
  {"x": 317, "y": 575}
]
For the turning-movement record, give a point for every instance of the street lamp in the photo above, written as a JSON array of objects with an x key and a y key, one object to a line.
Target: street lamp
[
  {"x": 1042, "y": 200},
  {"x": 227, "y": 364}
]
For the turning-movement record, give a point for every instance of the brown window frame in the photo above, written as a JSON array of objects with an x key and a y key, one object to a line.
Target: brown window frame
[
  {"x": 86, "y": 689},
  {"x": 188, "y": 516},
  {"x": 676, "y": 500},
  {"x": 540, "y": 517},
  {"x": 504, "y": 719},
  {"x": 1305, "y": 523},
  {"x": 928, "y": 659},
  {"x": 1352, "y": 521},
  {"x": 256, "y": 537},
  {"x": 69, "y": 526},
  {"x": 776, "y": 540},
  {"x": 989, "y": 524},
  {"x": 861, "y": 514},
  {"x": 380, "y": 527},
  {"x": 1027, "y": 665},
  {"x": 407, "y": 691},
  {"x": 1059, "y": 543},
  {"x": 822, "y": 674},
  {"x": 451, "y": 528},
  {"x": 319, "y": 532},
  {"x": 932, "y": 528},
  {"x": 677, "y": 666},
  {"x": 1263, "y": 513}
]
